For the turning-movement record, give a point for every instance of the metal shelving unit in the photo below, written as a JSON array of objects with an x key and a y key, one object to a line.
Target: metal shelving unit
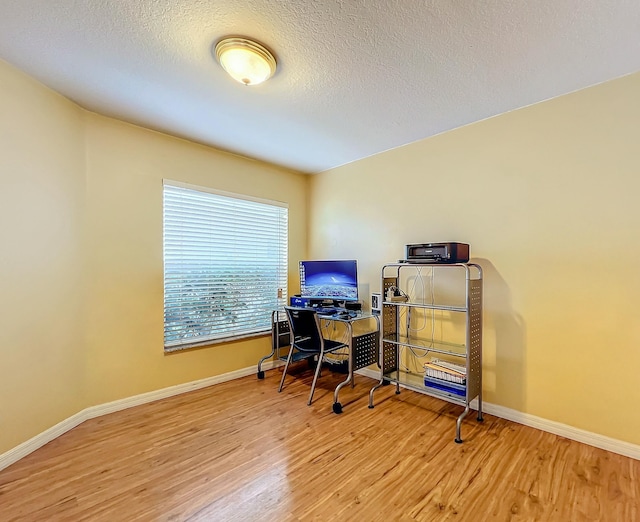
[{"x": 402, "y": 344}]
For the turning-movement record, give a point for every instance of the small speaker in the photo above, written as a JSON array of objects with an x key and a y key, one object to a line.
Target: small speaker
[
  {"x": 376, "y": 303},
  {"x": 353, "y": 305},
  {"x": 296, "y": 300}
]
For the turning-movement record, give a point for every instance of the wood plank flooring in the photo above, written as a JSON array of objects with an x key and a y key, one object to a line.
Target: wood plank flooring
[{"x": 239, "y": 451}]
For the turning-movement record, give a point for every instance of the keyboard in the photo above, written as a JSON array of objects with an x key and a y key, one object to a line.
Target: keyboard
[{"x": 327, "y": 310}]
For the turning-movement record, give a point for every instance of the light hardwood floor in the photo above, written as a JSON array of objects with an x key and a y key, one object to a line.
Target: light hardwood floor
[{"x": 241, "y": 451}]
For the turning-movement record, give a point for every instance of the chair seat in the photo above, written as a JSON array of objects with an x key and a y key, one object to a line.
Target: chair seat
[
  {"x": 311, "y": 346},
  {"x": 301, "y": 356},
  {"x": 330, "y": 346}
]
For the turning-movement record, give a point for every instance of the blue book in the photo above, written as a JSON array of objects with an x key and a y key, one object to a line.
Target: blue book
[{"x": 445, "y": 386}]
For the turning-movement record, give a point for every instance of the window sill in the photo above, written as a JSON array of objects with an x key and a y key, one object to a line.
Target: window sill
[{"x": 212, "y": 342}]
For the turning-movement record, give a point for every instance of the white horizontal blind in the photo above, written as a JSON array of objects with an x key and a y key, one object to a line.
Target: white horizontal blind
[{"x": 225, "y": 264}]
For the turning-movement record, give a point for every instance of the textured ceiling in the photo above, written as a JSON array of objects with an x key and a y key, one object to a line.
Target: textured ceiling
[{"x": 355, "y": 77}]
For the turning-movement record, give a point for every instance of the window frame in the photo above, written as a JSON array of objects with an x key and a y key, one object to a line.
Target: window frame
[{"x": 280, "y": 229}]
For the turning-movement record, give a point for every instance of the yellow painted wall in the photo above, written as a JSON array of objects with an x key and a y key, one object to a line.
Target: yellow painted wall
[
  {"x": 42, "y": 355},
  {"x": 81, "y": 260},
  {"x": 547, "y": 196},
  {"x": 125, "y": 168}
]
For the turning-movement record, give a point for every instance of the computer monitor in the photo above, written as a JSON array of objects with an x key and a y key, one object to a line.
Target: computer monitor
[{"x": 329, "y": 280}]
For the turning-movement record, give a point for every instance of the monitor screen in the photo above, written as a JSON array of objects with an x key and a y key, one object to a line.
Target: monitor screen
[{"x": 336, "y": 280}]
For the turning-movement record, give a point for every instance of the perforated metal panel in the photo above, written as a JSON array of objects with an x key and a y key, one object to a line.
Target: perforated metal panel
[
  {"x": 390, "y": 357},
  {"x": 283, "y": 327},
  {"x": 281, "y": 337},
  {"x": 474, "y": 350},
  {"x": 365, "y": 350},
  {"x": 387, "y": 283},
  {"x": 389, "y": 320}
]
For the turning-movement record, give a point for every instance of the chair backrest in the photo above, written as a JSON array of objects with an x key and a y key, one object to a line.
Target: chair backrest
[{"x": 305, "y": 327}]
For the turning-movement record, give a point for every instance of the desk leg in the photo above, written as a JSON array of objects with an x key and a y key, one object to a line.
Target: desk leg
[
  {"x": 337, "y": 407},
  {"x": 275, "y": 338},
  {"x": 383, "y": 381}
]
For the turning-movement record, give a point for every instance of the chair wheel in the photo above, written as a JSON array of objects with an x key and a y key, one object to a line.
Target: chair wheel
[
  {"x": 337, "y": 407},
  {"x": 260, "y": 374}
]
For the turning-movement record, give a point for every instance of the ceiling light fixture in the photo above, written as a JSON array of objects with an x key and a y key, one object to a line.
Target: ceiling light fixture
[{"x": 246, "y": 61}]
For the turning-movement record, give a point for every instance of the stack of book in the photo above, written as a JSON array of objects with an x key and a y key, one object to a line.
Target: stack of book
[{"x": 446, "y": 376}]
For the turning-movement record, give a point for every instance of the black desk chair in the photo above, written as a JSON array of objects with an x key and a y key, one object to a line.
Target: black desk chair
[{"x": 307, "y": 339}]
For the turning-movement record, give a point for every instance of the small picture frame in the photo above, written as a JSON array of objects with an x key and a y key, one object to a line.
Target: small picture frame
[{"x": 376, "y": 303}]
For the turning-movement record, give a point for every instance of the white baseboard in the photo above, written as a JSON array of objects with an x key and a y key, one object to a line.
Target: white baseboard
[
  {"x": 592, "y": 439},
  {"x": 144, "y": 398},
  {"x": 22, "y": 450},
  {"x": 15, "y": 454}
]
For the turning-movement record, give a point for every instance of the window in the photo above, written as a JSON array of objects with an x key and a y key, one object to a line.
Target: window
[{"x": 225, "y": 265}]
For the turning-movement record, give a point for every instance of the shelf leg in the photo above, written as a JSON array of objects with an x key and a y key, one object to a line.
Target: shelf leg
[
  {"x": 459, "y": 424},
  {"x": 480, "y": 418}
]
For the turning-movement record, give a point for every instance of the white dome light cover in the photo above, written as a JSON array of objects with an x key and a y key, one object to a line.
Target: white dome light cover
[{"x": 246, "y": 61}]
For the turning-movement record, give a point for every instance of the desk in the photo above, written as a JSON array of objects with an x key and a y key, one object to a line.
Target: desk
[{"x": 363, "y": 348}]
